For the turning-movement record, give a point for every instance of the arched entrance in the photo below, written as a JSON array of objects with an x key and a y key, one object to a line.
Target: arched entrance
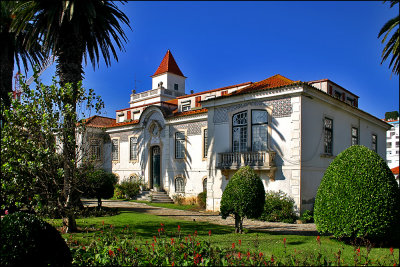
[{"x": 155, "y": 167}]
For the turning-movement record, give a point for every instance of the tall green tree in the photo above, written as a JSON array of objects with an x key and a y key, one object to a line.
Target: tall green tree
[
  {"x": 391, "y": 48},
  {"x": 72, "y": 31},
  {"x": 13, "y": 48}
]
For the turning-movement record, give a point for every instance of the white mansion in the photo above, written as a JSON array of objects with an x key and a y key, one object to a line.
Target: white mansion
[{"x": 288, "y": 131}]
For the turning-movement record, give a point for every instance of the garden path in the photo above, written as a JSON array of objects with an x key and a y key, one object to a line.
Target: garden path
[{"x": 211, "y": 217}]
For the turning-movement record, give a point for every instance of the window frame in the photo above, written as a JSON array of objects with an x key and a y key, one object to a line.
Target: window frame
[
  {"x": 256, "y": 124},
  {"x": 244, "y": 126},
  {"x": 100, "y": 149},
  {"x": 249, "y": 109},
  {"x": 179, "y": 177},
  {"x": 204, "y": 137},
  {"x": 184, "y": 144},
  {"x": 204, "y": 185},
  {"x": 355, "y": 137},
  {"x": 135, "y": 158},
  {"x": 118, "y": 150},
  {"x": 374, "y": 142},
  {"x": 328, "y": 146},
  {"x": 176, "y": 86}
]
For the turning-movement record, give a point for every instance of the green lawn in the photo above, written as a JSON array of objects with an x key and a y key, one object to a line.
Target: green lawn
[
  {"x": 170, "y": 205},
  {"x": 143, "y": 227}
]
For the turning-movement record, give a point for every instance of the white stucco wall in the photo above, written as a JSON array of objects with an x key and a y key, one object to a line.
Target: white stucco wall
[{"x": 314, "y": 162}]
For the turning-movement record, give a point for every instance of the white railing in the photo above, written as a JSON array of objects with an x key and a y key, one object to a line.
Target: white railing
[
  {"x": 235, "y": 160},
  {"x": 153, "y": 92}
]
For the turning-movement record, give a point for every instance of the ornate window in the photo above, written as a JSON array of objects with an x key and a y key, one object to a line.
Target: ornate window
[
  {"x": 239, "y": 132},
  {"x": 95, "y": 149},
  {"x": 258, "y": 127},
  {"x": 374, "y": 141},
  {"x": 115, "y": 149},
  {"x": 133, "y": 151},
  {"x": 328, "y": 136},
  {"x": 179, "y": 145},
  {"x": 259, "y": 130},
  {"x": 354, "y": 136},
  {"x": 179, "y": 185},
  {"x": 205, "y": 143}
]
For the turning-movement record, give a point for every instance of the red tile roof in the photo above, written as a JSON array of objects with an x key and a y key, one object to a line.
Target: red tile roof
[
  {"x": 98, "y": 121},
  {"x": 395, "y": 170},
  {"x": 117, "y": 124},
  {"x": 271, "y": 82},
  {"x": 190, "y": 112},
  {"x": 168, "y": 64},
  {"x": 215, "y": 90}
]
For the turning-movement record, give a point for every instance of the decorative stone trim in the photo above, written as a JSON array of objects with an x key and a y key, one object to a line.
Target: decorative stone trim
[
  {"x": 281, "y": 108},
  {"x": 193, "y": 128}
]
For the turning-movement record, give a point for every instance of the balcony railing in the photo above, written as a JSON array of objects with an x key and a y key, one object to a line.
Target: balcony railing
[
  {"x": 260, "y": 160},
  {"x": 158, "y": 91}
]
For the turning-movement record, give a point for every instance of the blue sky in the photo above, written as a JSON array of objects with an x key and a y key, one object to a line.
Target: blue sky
[{"x": 217, "y": 44}]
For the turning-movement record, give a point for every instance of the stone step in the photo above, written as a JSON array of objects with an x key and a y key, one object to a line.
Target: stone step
[{"x": 160, "y": 197}]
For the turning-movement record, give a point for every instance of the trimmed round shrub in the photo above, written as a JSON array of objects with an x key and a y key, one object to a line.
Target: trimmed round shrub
[
  {"x": 278, "y": 207},
  {"x": 27, "y": 240},
  {"x": 202, "y": 199},
  {"x": 244, "y": 196},
  {"x": 100, "y": 184},
  {"x": 358, "y": 197}
]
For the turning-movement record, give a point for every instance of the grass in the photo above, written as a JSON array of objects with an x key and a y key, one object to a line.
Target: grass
[
  {"x": 145, "y": 227},
  {"x": 170, "y": 205}
]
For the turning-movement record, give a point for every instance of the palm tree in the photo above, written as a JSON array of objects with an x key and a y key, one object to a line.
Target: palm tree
[
  {"x": 392, "y": 46},
  {"x": 73, "y": 30},
  {"x": 13, "y": 49}
]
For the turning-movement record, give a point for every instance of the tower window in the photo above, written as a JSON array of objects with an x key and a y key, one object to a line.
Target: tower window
[{"x": 176, "y": 86}]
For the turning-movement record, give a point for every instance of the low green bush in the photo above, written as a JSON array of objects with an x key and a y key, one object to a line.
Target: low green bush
[
  {"x": 118, "y": 194},
  {"x": 202, "y": 199},
  {"x": 278, "y": 207},
  {"x": 27, "y": 240},
  {"x": 307, "y": 216},
  {"x": 130, "y": 188},
  {"x": 358, "y": 197}
]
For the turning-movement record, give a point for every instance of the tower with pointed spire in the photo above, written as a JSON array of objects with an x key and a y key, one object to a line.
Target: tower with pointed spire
[
  {"x": 168, "y": 75},
  {"x": 168, "y": 82}
]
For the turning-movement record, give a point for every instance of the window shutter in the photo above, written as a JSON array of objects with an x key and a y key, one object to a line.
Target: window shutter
[
  {"x": 128, "y": 115},
  {"x": 343, "y": 96},
  {"x": 330, "y": 89},
  {"x": 224, "y": 92},
  {"x": 197, "y": 100}
]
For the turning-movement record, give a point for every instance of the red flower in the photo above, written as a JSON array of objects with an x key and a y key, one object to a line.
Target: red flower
[
  {"x": 110, "y": 253},
  {"x": 172, "y": 241},
  {"x": 198, "y": 243},
  {"x": 358, "y": 251},
  {"x": 162, "y": 229},
  {"x": 173, "y": 263},
  {"x": 136, "y": 249},
  {"x": 162, "y": 224},
  {"x": 195, "y": 233},
  {"x": 155, "y": 239},
  {"x": 84, "y": 248},
  {"x": 179, "y": 227},
  {"x": 284, "y": 240},
  {"x": 248, "y": 254},
  {"x": 110, "y": 225},
  {"x": 209, "y": 232},
  {"x": 272, "y": 259},
  {"x": 239, "y": 255},
  {"x": 6, "y": 212},
  {"x": 240, "y": 242},
  {"x": 158, "y": 230},
  {"x": 233, "y": 245},
  {"x": 391, "y": 251},
  {"x": 185, "y": 256},
  {"x": 260, "y": 254},
  {"x": 103, "y": 223},
  {"x": 318, "y": 239}
]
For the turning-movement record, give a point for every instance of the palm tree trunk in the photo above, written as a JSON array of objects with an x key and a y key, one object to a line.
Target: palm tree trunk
[
  {"x": 69, "y": 69},
  {"x": 6, "y": 66}
]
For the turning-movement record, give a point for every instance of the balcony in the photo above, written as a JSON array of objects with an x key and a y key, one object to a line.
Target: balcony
[
  {"x": 259, "y": 161},
  {"x": 154, "y": 92}
]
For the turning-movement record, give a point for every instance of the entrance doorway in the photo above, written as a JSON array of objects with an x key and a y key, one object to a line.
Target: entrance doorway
[{"x": 155, "y": 168}]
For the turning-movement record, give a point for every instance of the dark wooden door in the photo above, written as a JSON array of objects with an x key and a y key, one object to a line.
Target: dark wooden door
[{"x": 155, "y": 168}]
